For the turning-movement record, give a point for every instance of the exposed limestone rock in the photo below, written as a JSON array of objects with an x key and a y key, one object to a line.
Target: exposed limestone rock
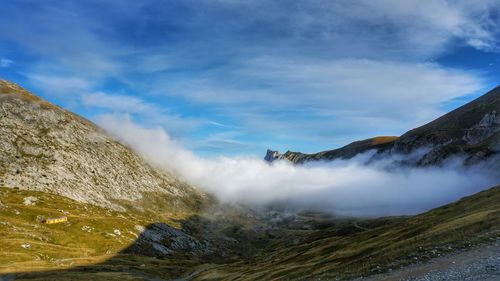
[
  {"x": 161, "y": 240},
  {"x": 30, "y": 200},
  {"x": 489, "y": 125},
  {"x": 46, "y": 148},
  {"x": 272, "y": 155}
]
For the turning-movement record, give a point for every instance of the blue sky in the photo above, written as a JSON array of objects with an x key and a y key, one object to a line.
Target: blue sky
[{"x": 234, "y": 77}]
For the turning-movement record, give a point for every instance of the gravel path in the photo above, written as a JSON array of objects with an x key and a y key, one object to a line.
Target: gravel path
[{"x": 479, "y": 264}]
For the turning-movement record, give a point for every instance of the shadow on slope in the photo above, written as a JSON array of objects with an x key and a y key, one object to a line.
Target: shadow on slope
[
  {"x": 103, "y": 244},
  {"x": 161, "y": 252},
  {"x": 345, "y": 250}
]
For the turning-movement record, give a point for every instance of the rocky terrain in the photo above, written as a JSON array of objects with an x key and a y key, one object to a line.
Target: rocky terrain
[
  {"x": 471, "y": 131},
  {"x": 479, "y": 264},
  {"x": 46, "y": 148},
  {"x": 128, "y": 220}
]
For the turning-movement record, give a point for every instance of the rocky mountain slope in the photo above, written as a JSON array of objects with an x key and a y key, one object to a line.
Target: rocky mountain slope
[
  {"x": 471, "y": 131},
  {"x": 54, "y": 163},
  {"x": 46, "y": 148},
  {"x": 345, "y": 152}
]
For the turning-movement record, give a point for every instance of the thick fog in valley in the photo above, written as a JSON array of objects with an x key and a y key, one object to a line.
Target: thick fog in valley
[{"x": 347, "y": 187}]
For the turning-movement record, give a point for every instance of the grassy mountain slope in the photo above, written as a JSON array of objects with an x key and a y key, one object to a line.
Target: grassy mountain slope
[
  {"x": 370, "y": 246},
  {"x": 88, "y": 247},
  {"x": 128, "y": 220},
  {"x": 98, "y": 243},
  {"x": 92, "y": 234}
]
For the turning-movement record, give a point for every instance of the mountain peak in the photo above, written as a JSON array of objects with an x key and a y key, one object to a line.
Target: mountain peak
[
  {"x": 272, "y": 155},
  {"x": 472, "y": 130},
  {"x": 46, "y": 148}
]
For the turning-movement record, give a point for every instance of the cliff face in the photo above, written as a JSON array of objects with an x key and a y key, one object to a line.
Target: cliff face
[
  {"x": 46, "y": 148},
  {"x": 471, "y": 131}
]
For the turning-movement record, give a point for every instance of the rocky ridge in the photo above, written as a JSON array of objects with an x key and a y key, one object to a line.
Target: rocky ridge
[
  {"x": 46, "y": 148},
  {"x": 471, "y": 131},
  {"x": 344, "y": 152}
]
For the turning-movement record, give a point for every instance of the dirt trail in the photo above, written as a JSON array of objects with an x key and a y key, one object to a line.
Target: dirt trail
[{"x": 479, "y": 264}]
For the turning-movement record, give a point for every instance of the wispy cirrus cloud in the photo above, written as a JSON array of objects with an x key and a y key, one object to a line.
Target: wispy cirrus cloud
[
  {"x": 320, "y": 72},
  {"x": 59, "y": 85},
  {"x": 118, "y": 103},
  {"x": 355, "y": 97},
  {"x": 5, "y": 62},
  {"x": 138, "y": 109}
]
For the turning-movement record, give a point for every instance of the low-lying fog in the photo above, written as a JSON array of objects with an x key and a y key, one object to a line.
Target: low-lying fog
[{"x": 348, "y": 187}]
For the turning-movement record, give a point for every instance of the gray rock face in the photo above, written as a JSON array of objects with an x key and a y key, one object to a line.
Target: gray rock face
[
  {"x": 45, "y": 148},
  {"x": 487, "y": 127},
  {"x": 471, "y": 132},
  {"x": 161, "y": 240},
  {"x": 272, "y": 155}
]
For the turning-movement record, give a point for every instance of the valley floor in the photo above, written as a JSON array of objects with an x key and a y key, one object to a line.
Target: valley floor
[{"x": 446, "y": 243}]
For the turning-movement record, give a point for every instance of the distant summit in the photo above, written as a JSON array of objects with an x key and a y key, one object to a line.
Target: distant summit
[
  {"x": 344, "y": 152},
  {"x": 471, "y": 131},
  {"x": 272, "y": 155}
]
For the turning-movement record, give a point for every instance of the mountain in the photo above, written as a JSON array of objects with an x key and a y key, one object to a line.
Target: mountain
[
  {"x": 55, "y": 163},
  {"x": 46, "y": 148},
  {"x": 350, "y": 249},
  {"x": 128, "y": 220},
  {"x": 345, "y": 152},
  {"x": 471, "y": 131}
]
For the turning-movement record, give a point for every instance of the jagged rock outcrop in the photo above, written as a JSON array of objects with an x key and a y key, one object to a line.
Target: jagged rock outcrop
[
  {"x": 471, "y": 131},
  {"x": 272, "y": 155},
  {"x": 162, "y": 240},
  {"x": 488, "y": 126},
  {"x": 46, "y": 148}
]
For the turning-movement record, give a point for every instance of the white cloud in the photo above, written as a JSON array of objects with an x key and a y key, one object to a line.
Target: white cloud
[
  {"x": 308, "y": 96},
  {"x": 119, "y": 103},
  {"x": 347, "y": 187},
  {"x": 222, "y": 142},
  {"x": 4, "y": 62},
  {"x": 139, "y": 109},
  {"x": 60, "y": 85}
]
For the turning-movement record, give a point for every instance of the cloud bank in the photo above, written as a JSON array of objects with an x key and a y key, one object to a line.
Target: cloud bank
[{"x": 343, "y": 187}]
